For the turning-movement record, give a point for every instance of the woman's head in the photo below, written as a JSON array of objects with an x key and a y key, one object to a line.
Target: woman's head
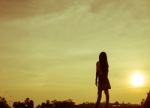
[
  {"x": 102, "y": 56},
  {"x": 103, "y": 61}
]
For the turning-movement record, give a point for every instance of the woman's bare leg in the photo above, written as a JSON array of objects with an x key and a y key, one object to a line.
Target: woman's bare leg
[
  {"x": 107, "y": 98},
  {"x": 98, "y": 99}
]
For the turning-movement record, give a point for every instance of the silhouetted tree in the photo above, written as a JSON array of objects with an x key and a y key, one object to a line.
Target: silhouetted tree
[
  {"x": 3, "y": 103},
  {"x": 147, "y": 101},
  {"x": 19, "y": 105},
  {"x": 29, "y": 103}
]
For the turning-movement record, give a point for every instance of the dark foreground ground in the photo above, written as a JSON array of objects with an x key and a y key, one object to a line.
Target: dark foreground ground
[{"x": 28, "y": 103}]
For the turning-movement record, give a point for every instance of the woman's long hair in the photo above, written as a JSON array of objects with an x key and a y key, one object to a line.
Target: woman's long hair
[{"x": 103, "y": 62}]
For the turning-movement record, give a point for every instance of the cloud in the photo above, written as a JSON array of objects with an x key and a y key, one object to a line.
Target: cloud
[
  {"x": 24, "y": 8},
  {"x": 138, "y": 9},
  {"x": 98, "y": 5},
  {"x": 12, "y": 9}
]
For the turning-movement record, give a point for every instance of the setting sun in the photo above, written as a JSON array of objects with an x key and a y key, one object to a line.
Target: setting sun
[{"x": 137, "y": 80}]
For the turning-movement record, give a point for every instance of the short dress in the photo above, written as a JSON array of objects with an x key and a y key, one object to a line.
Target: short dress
[{"x": 103, "y": 81}]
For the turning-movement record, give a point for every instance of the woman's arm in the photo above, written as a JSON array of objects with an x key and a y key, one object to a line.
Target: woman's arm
[
  {"x": 96, "y": 74},
  {"x": 96, "y": 79}
]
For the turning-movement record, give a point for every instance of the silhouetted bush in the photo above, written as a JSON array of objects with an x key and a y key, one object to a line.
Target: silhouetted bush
[
  {"x": 26, "y": 104},
  {"x": 86, "y": 105},
  {"x": 63, "y": 104},
  {"x": 48, "y": 104}
]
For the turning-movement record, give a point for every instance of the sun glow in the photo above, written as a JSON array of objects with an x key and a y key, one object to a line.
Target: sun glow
[{"x": 137, "y": 79}]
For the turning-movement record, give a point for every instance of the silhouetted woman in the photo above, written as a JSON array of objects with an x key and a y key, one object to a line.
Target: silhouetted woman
[{"x": 101, "y": 80}]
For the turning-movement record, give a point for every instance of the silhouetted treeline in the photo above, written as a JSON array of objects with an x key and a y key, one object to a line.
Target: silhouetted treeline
[{"x": 28, "y": 103}]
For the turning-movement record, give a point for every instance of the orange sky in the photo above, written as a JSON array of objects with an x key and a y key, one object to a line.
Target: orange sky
[{"x": 48, "y": 49}]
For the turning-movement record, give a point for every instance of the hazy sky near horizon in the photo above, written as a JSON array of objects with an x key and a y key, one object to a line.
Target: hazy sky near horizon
[{"x": 49, "y": 48}]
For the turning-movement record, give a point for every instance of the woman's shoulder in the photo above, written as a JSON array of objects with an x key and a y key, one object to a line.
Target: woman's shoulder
[{"x": 97, "y": 63}]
